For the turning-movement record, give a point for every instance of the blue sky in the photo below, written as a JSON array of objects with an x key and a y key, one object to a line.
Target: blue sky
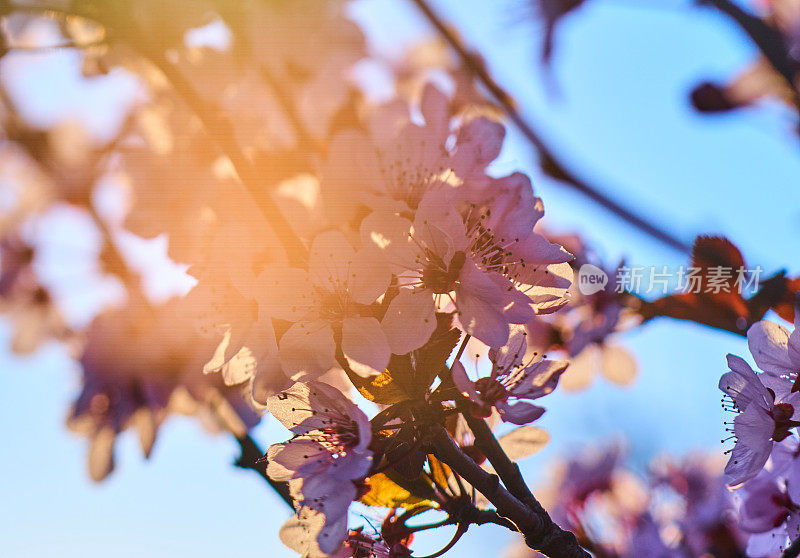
[{"x": 624, "y": 72}]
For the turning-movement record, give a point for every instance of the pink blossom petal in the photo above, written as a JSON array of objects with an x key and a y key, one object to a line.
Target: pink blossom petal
[
  {"x": 480, "y": 303},
  {"x": 538, "y": 379},
  {"x": 409, "y": 321},
  {"x": 753, "y": 428},
  {"x": 296, "y": 458},
  {"x": 768, "y": 343},
  {"x": 439, "y": 225},
  {"x": 308, "y": 406},
  {"x": 307, "y": 348},
  {"x": 368, "y": 277},
  {"x": 435, "y": 107},
  {"x": 331, "y": 497},
  {"x": 794, "y": 348},
  {"x": 389, "y": 234},
  {"x": 520, "y": 412},
  {"x": 285, "y": 293},
  {"x": 464, "y": 384},
  {"x": 512, "y": 353},
  {"x": 743, "y": 384},
  {"x": 764, "y": 545},
  {"x": 351, "y": 466},
  {"x": 364, "y": 345},
  {"x": 300, "y": 533},
  {"x": 479, "y": 143}
]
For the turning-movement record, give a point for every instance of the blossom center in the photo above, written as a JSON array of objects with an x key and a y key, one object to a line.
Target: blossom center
[
  {"x": 782, "y": 415},
  {"x": 335, "y": 305},
  {"x": 491, "y": 390},
  {"x": 489, "y": 250},
  {"x": 442, "y": 280}
]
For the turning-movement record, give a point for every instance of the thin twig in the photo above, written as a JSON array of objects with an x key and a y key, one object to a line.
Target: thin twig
[
  {"x": 767, "y": 39},
  {"x": 507, "y": 470},
  {"x": 220, "y": 130},
  {"x": 550, "y": 161},
  {"x": 249, "y": 459},
  {"x": 539, "y": 530}
]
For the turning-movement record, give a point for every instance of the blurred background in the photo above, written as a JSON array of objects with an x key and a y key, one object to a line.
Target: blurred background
[{"x": 614, "y": 101}]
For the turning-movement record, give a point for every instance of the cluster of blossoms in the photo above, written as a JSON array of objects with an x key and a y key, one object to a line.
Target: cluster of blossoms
[
  {"x": 762, "y": 463},
  {"x": 585, "y": 330},
  {"x": 435, "y": 236},
  {"x": 678, "y": 509},
  {"x": 328, "y": 242}
]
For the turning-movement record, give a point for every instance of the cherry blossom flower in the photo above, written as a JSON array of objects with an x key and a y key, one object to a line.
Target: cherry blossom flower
[
  {"x": 332, "y": 434},
  {"x": 329, "y": 451},
  {"x": 327, "y": 300},
  {"x": 514, "y": 377},
  {"x": 585, "y": 329},
  {"x": 767, "y": 410},
  {"x": 768, "y": 508},
  {"x": 394, "y": 166},
  {"x": 491, "y": 279}
]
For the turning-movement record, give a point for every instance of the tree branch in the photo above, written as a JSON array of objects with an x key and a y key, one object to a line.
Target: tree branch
[
  {"x": 507, "y": 470},
  {"x": 249, "y": 459},
  {"x": 549, "y": 160},
  {"x": 540, "y": 532},
  {"x": 767, "y": 39},
  {"x": 220, "y": 129}
]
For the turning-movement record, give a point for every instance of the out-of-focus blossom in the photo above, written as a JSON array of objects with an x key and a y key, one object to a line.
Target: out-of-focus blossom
[
  {"x": 586, "y": 329},
  {"x": 140, "y": 364},
  {"x": 25, "y": 302},
  {"x": 432, "y": 60},
  {"x": 24, "y": 188},
  {"x": 682, "y": 509},
  {"x": 515, "y": 379}
]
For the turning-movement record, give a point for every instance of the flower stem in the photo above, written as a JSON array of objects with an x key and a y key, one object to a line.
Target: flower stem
[
  {"x": 220, "y": 129},
  {"x": 539, "y": 530},
  {"x": 507, "y": 470}
]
